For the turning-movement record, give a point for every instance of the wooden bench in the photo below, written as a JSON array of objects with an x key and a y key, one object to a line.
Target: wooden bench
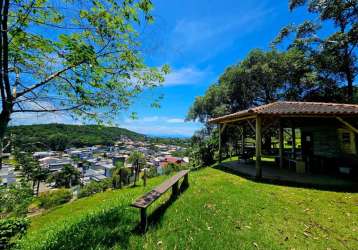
[{"x": 147, "y": 199}]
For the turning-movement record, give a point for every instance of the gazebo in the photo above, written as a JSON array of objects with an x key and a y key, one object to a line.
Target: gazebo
[{"x": 327, "y": 129}]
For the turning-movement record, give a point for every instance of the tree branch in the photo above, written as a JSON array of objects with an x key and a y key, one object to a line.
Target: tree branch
[
  {"x": 51, "y": 77},
  {"x": 48, "y": 110}
]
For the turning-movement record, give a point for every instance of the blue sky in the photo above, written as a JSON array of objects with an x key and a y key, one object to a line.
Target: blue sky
[{"x": 198, "y": 39}]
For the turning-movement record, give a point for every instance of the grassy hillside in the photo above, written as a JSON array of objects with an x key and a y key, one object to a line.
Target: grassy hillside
[
  {"x": 61, "y": 136},
  {"x": 218, "y": 211}
]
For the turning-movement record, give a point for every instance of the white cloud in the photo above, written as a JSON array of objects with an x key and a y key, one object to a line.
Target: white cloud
[
  {"x": 163, "y": 130},
  {"x": 40, "y": 118},
  {"x": 161, "y": 125},
  {"x": 176, "y": 120},
  {"x": 188, "y": 75},
  {"x": 155, "y": 119},
  {"x": 150, "y": 119}
]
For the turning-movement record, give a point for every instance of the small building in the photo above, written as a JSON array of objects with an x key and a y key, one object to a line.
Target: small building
[
  {"x": 119, "y": 158},
  {"x": 170, "y": 159},
  {"x": 54, "y": 163},
  {"x": 327, "y": 131},
  {"x": 7, "y": 175},
  {"x": 105, "y": 165},
  {"x": 43, "y": 154}
]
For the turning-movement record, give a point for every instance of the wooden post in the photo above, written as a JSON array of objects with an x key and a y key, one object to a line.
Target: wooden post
[
  {"x": 258, "y": 147},
  {"x": 186, "y": 180},
  {"x": 220, "y": 147},
  {"x": 143, "y": 219},
  {"x": 293, "y": 141},
  {"x": 281, "y": 146},
  {"x": 243, "y": 141},
  {"x": 175, "y": 189}
]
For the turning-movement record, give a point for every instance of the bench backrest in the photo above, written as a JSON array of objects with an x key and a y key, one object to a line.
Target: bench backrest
[{"x": 150, "y": 197}]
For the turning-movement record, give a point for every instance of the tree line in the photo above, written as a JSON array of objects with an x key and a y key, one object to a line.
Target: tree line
[{"x": 58, "y": 137}]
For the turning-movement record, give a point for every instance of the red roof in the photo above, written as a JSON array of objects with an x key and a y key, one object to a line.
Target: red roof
[
  {"x": 172, "y": 159},
  {"x": 293, "y": 108}
]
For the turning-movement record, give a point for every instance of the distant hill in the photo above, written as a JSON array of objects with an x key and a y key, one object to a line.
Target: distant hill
[{"x": 60, "y": 136}]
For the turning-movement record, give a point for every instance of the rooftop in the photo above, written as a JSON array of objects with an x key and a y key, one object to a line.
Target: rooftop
[{"x": 293, "y": 109}]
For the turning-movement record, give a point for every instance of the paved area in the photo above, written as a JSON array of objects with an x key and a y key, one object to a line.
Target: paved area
[{"x": 275, "y": 174}]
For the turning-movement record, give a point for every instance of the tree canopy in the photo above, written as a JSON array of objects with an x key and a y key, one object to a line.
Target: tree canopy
[
  {"x": 79, "y": 56},
  {"x": 338, "y": 47},
  {"x": 301, "y": 72},
  {"x": 260, "y": 78}
]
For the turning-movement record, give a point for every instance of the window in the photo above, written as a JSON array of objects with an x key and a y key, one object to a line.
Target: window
[{"x": 346, "y": 138}]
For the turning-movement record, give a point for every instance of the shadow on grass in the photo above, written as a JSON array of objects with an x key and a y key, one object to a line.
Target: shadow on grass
[
  {"x": 100, "y": 230},
  {"x": 156, "y": 217},
  {"x": 352, "y": 187}
]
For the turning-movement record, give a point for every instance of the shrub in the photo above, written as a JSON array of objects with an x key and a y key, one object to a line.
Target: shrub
[
  {"x": 152, "y": 172},
  {"x": 95, "y": 187},
  {"x": 67, "y": 177},
  {"x": 54, "y": 198},
  {"x": 11, "y": 229},
  {"x": 172, "y": 167},
  {"x": 15, "y": 199}
]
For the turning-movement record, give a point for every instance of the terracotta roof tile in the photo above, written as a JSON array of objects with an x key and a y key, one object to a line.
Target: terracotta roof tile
[{"x": 293, "y": 108}]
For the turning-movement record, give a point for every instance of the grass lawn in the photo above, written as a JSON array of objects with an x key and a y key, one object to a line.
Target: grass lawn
[{"x": 218, "y": 211}]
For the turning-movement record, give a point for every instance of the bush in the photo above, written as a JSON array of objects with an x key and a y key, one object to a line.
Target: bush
[
  {"x": 172, "y": 167},
  {"x": 54, "y": 198},
  {"x": 152, "y": 172},
  {"x": 95, "y": 187},
  {"x": 15, "y": 199},
  {"x": 11, "y": 229}
]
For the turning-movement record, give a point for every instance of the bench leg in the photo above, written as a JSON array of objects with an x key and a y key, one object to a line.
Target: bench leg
[
  {"x": 186, "y": 180},
  {"x": 175, "y": 189},
  {"x": 143, "y": 219}
]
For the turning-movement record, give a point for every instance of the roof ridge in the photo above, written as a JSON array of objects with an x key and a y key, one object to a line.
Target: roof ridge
[{"x": 318, "y": 103}]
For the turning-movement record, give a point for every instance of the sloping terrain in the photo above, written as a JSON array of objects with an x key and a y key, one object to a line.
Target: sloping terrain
[{"x": 218, "y": 211}]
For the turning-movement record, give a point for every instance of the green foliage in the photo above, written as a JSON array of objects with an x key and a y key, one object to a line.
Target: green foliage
[
  {"x": 54, "y": 198},
  {"x": 12, "y": 229},
  {"x": 203, "y": 149},
  {"x": 339, "y": 46},
  {"x": 302, "y": 72},
  {"x": 61, "y": 136},
  {"x": 137, "y": 157},
  {"x": 120, "y": 175},
  {"x": 67, "y": 177},
  {"x": 260, "y": 78},
  {"x": 152, "y": 172},
  {"x": 90, "y": 65},
  {"x": 181, "y": 153},
  {"x": 172, "y": 168},
  {"x": 15, "y": 198},
  {"x": 95, "y": 187}
]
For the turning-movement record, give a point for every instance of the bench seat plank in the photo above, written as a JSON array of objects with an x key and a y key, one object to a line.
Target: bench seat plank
[{"x": 153, "y": 195}]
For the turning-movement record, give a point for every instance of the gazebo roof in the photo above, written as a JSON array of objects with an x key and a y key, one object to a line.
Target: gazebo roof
[{"x": 293, "y": 109}]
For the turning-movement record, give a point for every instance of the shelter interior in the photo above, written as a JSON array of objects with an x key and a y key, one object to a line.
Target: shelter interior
[{"x": 319, "y": 143}]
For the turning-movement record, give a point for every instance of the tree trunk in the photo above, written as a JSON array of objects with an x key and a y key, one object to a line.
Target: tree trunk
[
  {"x": 349, "y": 84},
  {"x": 38, "y": 188},
  {"x": 4, "y": 121},
  {"x": 348, "y": 72},
  {"x": 6, "y": 95}
]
